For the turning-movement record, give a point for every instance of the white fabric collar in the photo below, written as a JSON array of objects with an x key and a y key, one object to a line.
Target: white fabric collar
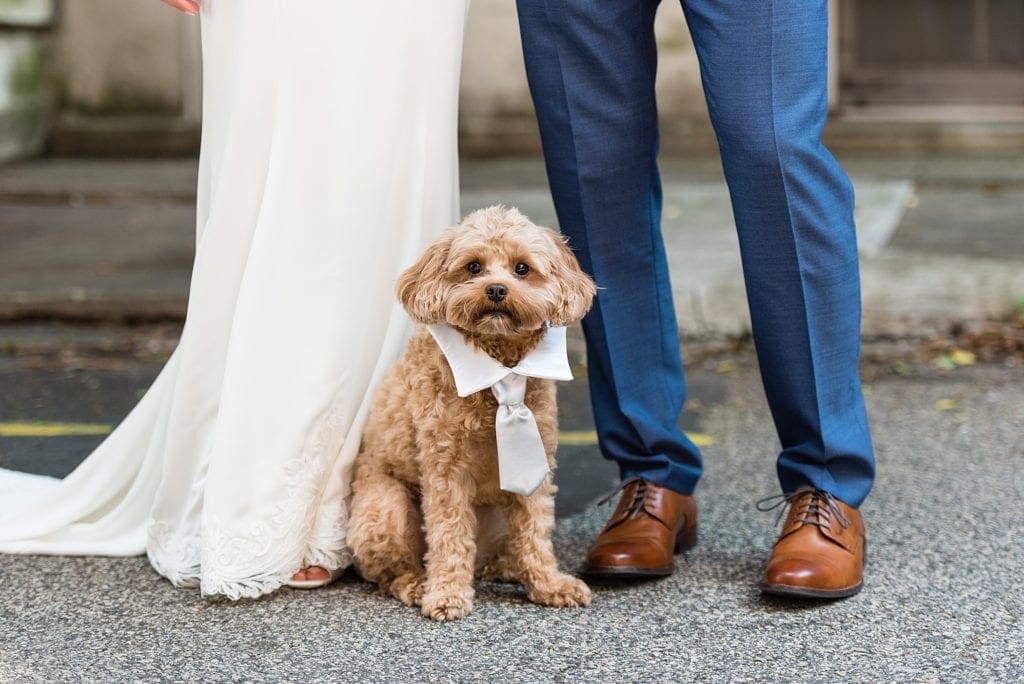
[
  {"x": 522, "y": 461},
  {"x": 475, "y": 370}
]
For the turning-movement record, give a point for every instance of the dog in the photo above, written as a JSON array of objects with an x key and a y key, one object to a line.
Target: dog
[{"x": 427, "y": 512}]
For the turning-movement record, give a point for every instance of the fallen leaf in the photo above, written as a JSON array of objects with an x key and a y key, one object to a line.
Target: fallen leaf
[
  {"x": 902, "y": 368},
  {"x": 962, "y": 357},
  {"x": 945, "y": 404}
]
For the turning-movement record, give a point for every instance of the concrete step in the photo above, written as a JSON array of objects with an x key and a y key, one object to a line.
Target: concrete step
[{"x": 941, "y": 239}]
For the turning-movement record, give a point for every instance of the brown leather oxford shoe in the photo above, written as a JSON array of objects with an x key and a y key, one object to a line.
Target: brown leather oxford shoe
[
  {"x": 820, "y": 552},
  {"x": 649, "y": 526}
]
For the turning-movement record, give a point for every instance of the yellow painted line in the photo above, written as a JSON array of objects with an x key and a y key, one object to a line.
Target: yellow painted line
[
  {"x": 701, "y": 439},
  {"x": 55, "y": 429},
  {"x": 52, "y": 429},
  {"x": 589, "y": 437},
  {"x": 577, "y": 437}
]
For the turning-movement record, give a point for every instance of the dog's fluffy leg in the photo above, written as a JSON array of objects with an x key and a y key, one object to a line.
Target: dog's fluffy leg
[
  {"x": 450, "y": 524},
  {"x": 531, "y": 520},
  {"x": 386, "y": 535}
]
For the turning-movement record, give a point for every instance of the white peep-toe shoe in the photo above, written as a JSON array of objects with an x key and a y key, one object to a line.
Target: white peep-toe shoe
[{"x": 316, "y": 584}]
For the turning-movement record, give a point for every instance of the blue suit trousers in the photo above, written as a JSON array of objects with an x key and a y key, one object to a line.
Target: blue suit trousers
[{"x": 591, "y": 66}]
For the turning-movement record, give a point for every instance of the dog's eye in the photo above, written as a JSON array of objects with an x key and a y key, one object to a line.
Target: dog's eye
[
  {"x": 474, "y": 267},
  {"x": 522, "y": 269}
]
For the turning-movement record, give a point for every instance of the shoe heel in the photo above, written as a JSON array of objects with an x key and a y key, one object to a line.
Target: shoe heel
[{"x": 686, "y": 539}]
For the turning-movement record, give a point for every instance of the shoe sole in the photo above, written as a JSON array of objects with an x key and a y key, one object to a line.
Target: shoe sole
[
  {"x": 791, "y": 591},
  {"x": 624, "y": 573},
  {"x": 685, "y": 540}
]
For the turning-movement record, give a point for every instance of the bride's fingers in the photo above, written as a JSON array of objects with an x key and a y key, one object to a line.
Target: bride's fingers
[{"x": 187, "y": 6}]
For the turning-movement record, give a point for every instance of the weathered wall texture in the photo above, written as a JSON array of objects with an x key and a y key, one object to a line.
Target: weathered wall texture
[
  {"x": 496, "y": 110},
  {"x": 128, "y": 57},
  {"x": 119, "y": 56}
]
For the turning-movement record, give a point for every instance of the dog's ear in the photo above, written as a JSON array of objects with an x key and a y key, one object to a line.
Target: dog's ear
[
  {"x": 577, "y": 288},
  {"x": 421, "y": 287}
]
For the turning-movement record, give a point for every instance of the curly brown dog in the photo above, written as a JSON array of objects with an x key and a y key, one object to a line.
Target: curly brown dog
[{"x": 426, "y": 506}]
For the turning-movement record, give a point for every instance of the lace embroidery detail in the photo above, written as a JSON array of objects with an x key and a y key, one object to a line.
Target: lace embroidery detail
[
  {"x": 175, "y": 556},
  {"x": 175, "y": 551},
  {"x": 327, "y": 542},
  {"x": 257, "y": 557},
  {"x": 327, "y": 523},
  {"x": 231, "y": 554},
  {"x": 327, "y": 546}
]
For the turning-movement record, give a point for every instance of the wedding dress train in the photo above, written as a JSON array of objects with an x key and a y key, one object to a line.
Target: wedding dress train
[{"x": 328, "y": 160}]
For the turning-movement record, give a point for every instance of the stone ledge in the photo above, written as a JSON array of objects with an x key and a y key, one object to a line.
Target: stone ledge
[
  {"x": 117, "y": 136},
  {"x": 516, "y": 133}
]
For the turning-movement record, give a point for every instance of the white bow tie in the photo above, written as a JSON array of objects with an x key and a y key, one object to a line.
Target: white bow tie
[{"x": 522, "y": 462}]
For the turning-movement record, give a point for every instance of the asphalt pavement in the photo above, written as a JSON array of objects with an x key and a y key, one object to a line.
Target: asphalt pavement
[{"x": 942, "y": 600}]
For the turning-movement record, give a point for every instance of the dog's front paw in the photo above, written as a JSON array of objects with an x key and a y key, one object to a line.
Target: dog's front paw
[
  {"x": 563, "y": 591},
  {"x": 408, "y": 588},
  {"x": 446, "y": 606}
]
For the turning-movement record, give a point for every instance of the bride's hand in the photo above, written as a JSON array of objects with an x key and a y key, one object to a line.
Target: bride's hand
[{"x": 186, "y": 6}]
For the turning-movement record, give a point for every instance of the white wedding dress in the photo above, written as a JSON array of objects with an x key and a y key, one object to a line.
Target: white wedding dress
[{"x": 328, "y": 160}]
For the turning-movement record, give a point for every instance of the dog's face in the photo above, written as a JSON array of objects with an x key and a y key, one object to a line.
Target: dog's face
[{"x": 496, "y": 273}]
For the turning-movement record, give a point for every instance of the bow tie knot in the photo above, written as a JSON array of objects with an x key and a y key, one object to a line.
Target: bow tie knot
[{"x": 510, "y": 390}]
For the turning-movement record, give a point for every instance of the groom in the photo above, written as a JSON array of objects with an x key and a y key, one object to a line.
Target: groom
[{"x": 591, "y": 66}]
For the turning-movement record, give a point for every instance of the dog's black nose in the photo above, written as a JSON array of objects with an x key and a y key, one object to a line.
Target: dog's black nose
[{"x": 496, "y": 292}]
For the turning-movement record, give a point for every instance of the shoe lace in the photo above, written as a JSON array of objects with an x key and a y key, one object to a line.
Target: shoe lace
[
  {"x": 815, "y": 507},
  {"x": 639, "y": 496}
]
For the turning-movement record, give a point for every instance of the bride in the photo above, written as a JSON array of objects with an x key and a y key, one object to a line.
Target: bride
[{"x": 328, "y": 161}]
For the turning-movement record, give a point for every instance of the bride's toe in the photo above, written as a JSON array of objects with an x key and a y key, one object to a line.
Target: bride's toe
[{"x": 314, "y": 573}]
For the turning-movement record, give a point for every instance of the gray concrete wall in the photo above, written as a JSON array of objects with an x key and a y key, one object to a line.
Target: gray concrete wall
[
  {"x": 497, "y": 114},
  {"x": 113, "y": 56},
  {"x": 126, "y": 58}
]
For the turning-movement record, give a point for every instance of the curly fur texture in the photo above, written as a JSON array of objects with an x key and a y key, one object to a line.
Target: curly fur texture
[{"x": 427, "y": 511}]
